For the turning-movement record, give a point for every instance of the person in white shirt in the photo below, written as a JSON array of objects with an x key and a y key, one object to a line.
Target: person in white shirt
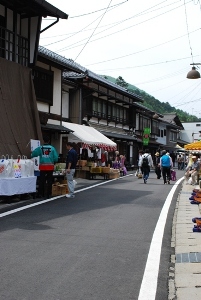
[
  {"x": 140, "y": 169},
  {"x": 146, "y": 164}
]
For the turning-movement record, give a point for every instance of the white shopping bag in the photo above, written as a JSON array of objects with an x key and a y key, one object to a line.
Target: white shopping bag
[
  {"x": 36, "y": 161},
  {"x": 74, "y": 182},
  {"x": 5, "y": 167}
]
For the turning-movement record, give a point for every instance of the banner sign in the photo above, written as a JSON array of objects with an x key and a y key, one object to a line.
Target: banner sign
[{"x": 146, "y": 134}]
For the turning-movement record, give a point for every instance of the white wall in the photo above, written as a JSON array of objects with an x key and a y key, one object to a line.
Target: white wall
[
  {"x": 191, "y": 131},
  {"x": 65, "y": 104},
  {"x": 162, "y": 140},
  {"x": 56, "y": 108}
]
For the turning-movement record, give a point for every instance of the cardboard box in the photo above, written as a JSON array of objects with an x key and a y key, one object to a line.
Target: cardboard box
[
  {"x": 85, "y": 168},
  {"x": 63, "y": 189},
  {"x": 96, "y": 170},
  {"x": 114, "y": 175},
  {"x": 63, "y": 181},
  {"x": 59, "y": 189},
  {"x": 55, "y": 190},
  {"x": 105, "y": 170},
  {"x": 82, "y": 163}
]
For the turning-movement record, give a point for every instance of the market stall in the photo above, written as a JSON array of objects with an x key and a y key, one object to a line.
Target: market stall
[
  {"x": 97, "y": 146},
  {"x": 17, "y": 176},
  {"x": 193, "y": 146}
]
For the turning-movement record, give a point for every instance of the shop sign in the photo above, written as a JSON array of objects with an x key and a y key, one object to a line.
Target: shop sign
[{"x": 146, "y": 134}]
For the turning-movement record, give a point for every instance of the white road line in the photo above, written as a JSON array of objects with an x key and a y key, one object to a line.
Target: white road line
[
  {"x": 13, "y": 211},
  {"x": 150, "y": 277}
]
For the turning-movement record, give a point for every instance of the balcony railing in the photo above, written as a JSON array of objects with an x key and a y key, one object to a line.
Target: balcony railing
[{"x": 14, "y": 47}]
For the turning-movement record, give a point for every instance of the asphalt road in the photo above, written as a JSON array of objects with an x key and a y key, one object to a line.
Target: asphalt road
[{"x": 92, "y": 247}]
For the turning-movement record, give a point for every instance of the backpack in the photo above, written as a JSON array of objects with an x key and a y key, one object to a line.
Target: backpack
[{"x": 145, "y": 162}]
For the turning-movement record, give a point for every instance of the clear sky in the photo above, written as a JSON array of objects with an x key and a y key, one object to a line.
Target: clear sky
[{"x": 150, "y": 43}]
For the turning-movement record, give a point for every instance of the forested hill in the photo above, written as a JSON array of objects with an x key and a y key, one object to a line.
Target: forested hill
[{"x": 153, "y": 103}]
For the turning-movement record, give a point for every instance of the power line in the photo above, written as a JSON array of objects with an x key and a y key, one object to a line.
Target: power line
[
  {"x": 188, "y": 102},
  {"x": 188, "y": 30},
  {"x": 97, "y": 10},
  {"x": 94, "y": 30},
  {"x": 114, "y": 23},
  {"x": 133, "y": 53},
  {"x": 78, "y": 31},
  {"x": 163, "y": 77},
  {"x": 147, "y": 65},
  {"x": 68, "y": 48}
]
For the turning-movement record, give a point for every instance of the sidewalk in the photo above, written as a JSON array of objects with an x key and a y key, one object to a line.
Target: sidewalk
[{"x": 186, "y": 284}]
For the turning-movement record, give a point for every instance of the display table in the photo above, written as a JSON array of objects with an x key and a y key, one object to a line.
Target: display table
[{"x": 16, "y": 186}]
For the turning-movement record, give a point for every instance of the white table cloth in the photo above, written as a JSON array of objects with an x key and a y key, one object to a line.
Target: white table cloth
[{"x": 15, "y": 186}]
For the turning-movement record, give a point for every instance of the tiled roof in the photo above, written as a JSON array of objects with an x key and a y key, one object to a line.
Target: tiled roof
[{"x": 70, "y": 64}]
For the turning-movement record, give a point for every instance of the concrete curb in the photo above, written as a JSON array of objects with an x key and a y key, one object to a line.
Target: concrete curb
[{"x": 185, "y": 276}]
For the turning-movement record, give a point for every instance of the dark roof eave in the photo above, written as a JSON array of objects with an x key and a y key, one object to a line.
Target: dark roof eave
[
  {"x": 125, "y": 93},
  {"x": 53, "y": 11}
]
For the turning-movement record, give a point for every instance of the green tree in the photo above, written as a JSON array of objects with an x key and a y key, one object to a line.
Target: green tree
[{"x": 120, "y": 81}]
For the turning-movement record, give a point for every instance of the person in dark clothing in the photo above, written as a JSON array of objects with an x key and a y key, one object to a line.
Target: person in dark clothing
[
  {"x": 48, "y": 157},
  {"x": 173, "y": 156},
  {"x": 157, "y": 165},
  {"x": 71, "y": 161}
]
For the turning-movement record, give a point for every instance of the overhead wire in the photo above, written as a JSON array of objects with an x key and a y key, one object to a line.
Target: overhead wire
[
  {"x": 68, "y": 48},
  {"x": 73, "y": 34},
  {"x": 113, "y": 24},
  {"x": 188, "y": 30},
  {"x": 143, "y": 50},
  {"x": 141, "y": 66},
  {"x": 83, "y": 15},
  {"x": 94, "y": 30}
]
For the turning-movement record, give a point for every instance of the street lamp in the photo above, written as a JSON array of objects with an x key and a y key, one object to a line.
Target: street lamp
[{"x": 193, "y": 74}]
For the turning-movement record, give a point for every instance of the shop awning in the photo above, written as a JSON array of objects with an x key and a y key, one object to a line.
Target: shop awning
[
  {"x": 193, "y": 146},
  {"x": 89, "y": 136}
]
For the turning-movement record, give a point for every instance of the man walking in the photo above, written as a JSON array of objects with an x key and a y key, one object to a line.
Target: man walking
[
  {"x": 71, "y": 161},
  {"x": 146, "y": 163},
  {"x": 166, "y": 164}
]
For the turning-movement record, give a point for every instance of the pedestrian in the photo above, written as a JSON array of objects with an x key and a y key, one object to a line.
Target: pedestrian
[
  {"x": 192, "y": 170},
  {"x": 166, "y": 164},
  {"x": 146, "y": 163},
  {"x": 179, "y": 161},
  {"x": 173, "y": 156},
  {"x": 157, "y": 165},
  {"x": 140, "y": 169},
  {"x": 48, "y": 157},
  {"x": 71, "y": 161}
]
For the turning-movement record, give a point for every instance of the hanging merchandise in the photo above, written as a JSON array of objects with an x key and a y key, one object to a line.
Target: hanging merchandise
[
  {"x": 5, "y": 167},
  {"x": 17, "y": 172},
  {"x": 29, "y": 167}
]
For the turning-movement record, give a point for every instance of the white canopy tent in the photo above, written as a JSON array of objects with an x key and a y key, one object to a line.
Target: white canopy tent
[{"x": 89, "y": 136}]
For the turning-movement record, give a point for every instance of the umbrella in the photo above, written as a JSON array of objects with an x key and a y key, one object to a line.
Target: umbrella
[{"x": 193, "y": 146}]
